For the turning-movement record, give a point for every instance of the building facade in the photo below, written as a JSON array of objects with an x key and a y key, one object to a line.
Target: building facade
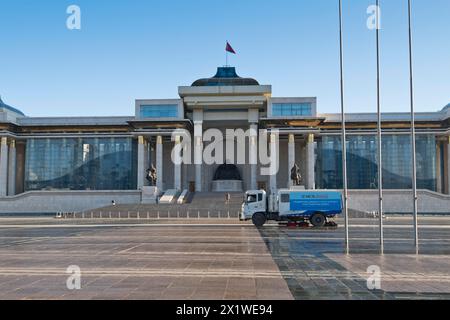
[{"x": 113, "y": 153}]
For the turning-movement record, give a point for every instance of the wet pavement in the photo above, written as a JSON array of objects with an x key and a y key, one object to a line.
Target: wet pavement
[
  {"x": 314, "y": 265},
  {"x": 220, "y": 259}
]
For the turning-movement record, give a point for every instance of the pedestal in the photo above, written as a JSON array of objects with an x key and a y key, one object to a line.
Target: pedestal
[
  {"x": 227, "y": 186},
  {"x": 150, "y": 195}
]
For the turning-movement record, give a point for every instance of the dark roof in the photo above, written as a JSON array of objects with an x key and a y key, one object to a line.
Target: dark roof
[
  {"x": 5, "y": 106},
  {"x": 225, "y": 76}
]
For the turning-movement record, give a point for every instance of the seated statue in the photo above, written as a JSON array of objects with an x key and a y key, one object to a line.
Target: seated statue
[
  {"x": 296, "y": 177},
  {"x": 227, "y": 172},
  {"x": 151, "y": 175}
]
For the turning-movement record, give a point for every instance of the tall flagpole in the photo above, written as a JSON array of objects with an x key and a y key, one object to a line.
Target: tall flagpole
[
  {"x": 413, "y": 133},
  {"x": 344, "y": 136},
  {"x": 379, "y": 128}
]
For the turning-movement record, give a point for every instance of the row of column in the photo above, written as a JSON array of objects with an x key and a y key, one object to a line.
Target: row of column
[
  {"x": 8, "y": 161},
  {"x": 159, "y": 165},
  {"x": 7, "y": 167}
]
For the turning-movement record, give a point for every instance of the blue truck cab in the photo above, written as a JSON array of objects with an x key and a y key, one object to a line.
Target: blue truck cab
[{"x": 314, "y": 206}]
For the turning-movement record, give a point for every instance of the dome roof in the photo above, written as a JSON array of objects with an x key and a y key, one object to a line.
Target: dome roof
[
  {"x": 225, "y": 76},
  {"x": 5, "y": 106}
]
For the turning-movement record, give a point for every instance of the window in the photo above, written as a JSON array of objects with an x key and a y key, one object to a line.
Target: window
[
  {"x": 362, "y": 162},
  {"x": 80, "y": 164},
  {"x": 159, "y": 111},
  {"x": 291, "y": 109},
  {"x": 251, "y": 198},
  {"x": 285, "y": 198},
  {"x": 260, "y": 197}
]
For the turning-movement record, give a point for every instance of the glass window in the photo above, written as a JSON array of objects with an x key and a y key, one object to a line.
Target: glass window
[
  {"x": 260, "y": 197},
  {"x": 362, "y": 162},
  {"x": 291, "y": 109},
  {"x": 159, "y": 111},
  {"x": 80, "y": 164},
  {"x": 285, "y": 197},
  {"x": 251, "y": 198}
]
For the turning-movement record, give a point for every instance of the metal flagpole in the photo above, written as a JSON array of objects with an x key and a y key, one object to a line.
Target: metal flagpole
[
  {"x": 413, "y": 133},
  {"x": 226, "y": 55},
  {"x": 379, "y": 128},
  {"x": 344, "y": 136}
]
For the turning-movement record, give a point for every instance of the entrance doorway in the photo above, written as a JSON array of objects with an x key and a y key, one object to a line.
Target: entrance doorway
[
  {"x": 262, "y": 185},
  {"x": 192, "y": 186}
]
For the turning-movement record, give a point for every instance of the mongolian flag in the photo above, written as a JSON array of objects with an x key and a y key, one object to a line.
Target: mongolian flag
[{"x": 229, "y": 48}]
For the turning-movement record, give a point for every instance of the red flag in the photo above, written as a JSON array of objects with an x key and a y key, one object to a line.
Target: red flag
[{"x": 229, "y": 48}]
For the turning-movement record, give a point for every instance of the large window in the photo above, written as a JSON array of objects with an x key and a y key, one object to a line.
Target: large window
[
  {"x": 362, "y": 162},
  {"x": 80, "y": 164},
  {"x": 159, "y": 111},
  {"x": 291, "y": 109}
]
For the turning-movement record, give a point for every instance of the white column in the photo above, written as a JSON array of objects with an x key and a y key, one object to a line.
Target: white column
[
  {"x": 291, "y": 158},
  {"x": 253, "y": 155},
  {"x": 448, "y": 165},
  {"x": 12, "y": 169},
  {"x": 310, "y": 174},
  {"x": 159, "y": 163},
  {"x": 3, "y": 166},
  {"x": 177, "y": 164},
  {"x": 273, "y": 177},
  {"x": 141, "y": 163},
  {"x": 198, "y": 148}
]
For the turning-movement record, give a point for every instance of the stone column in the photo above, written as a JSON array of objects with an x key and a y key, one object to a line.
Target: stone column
[
  {"x": 177, "y": 164},
  {"x": 439, "y": 182},
  {"x": 291, "y": 158},
  {"x": 12, "y": 169},
  {"x": 310, "y": 167},
  {"x": 448, "y": 165},
  {"x": 273, "y": 177},
  {"x": 159, "y": 163},
  {"x": 3, "y": 166},
  {"x": 141, "y": 163},
  {"x": 253, "y": 155},
  {"x": 198, "y": 148}
]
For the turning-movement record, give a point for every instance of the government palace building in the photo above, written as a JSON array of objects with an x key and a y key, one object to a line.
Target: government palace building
[{"x": 52, "y": 164}]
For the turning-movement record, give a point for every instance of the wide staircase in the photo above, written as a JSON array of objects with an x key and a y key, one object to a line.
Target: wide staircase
[{"x": 200, "y": 205}]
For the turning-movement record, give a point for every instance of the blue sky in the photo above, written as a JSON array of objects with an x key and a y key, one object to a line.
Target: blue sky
[{"x": 129, "y": 49}]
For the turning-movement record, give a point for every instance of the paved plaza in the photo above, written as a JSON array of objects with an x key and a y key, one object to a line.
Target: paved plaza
[{"x": 219, "y": 259}]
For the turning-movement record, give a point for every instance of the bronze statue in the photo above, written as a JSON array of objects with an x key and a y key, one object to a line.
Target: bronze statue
[
  {"x": 296, "y": 177},
  {"x": 152, "y": 175}
]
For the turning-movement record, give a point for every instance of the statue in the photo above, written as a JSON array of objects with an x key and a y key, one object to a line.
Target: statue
[
  {"x": 227, "y": 172},
  {"x": 151, "y": 175},
  {"x": 296, "y": 177}
]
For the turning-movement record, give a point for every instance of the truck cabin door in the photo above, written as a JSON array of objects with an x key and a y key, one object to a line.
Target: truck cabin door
[{"x": 255, "y": 202}]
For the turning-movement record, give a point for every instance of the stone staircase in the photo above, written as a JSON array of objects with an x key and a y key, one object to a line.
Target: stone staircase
[{"x": 201, "y": 205}]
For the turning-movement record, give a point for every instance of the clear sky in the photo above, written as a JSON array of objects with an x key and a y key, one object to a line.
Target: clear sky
[{"x": 130, "y": 49}]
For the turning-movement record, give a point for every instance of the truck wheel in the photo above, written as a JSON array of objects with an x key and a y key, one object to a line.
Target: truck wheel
[
  {"x": 318, "y": 220},
  {"x": 259, "y": 219}
]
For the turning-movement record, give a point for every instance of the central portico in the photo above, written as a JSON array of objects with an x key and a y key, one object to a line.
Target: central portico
[{"x": 223, "y": 102}]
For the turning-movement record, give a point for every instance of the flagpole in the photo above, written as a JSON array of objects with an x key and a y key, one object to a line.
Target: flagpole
[
  {"x": 413, "y": 133},
  {"x": 344, "y": 136},
  {"x": 379, "y": 128},
  {"x": 226, "y": 56}
]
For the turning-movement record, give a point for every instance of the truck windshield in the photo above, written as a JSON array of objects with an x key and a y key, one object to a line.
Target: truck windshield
[{"x": 250, "y": 198}]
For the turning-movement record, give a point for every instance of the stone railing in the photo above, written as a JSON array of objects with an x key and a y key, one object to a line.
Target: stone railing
[
  {"x": 65, "y": 201},
  {"x": 400, "y": 201}
]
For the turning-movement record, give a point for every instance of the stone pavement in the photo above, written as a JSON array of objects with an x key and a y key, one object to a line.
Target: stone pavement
[
  {"x": 151, "y": 262},
  {"x": 220, "y": 259}
]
